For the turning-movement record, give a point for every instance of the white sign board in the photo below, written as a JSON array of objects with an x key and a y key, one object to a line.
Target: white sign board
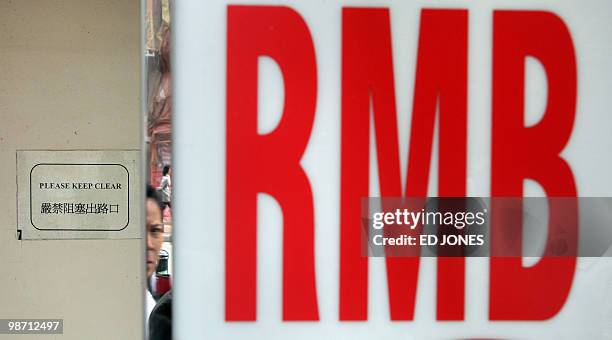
[
  {"x": 288, "y": 113},
  {"x": 79, "y": 194}
]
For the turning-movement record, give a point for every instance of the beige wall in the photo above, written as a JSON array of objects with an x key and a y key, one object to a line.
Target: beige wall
[{"x": 70, "y": 79}]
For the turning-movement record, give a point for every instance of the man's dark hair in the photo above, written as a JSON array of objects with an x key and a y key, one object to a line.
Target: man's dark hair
[
  {"x": 166, "y": 170},
  {"x": 152, "y": 194}
]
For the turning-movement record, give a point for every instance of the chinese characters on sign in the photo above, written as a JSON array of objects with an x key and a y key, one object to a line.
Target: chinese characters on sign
[
  {"x": 79, "y": 194},
  {"x": 78, "y": 208}
]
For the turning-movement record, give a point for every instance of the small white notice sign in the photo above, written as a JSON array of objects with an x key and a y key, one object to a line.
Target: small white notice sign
[{"x": 79, "y": 194}]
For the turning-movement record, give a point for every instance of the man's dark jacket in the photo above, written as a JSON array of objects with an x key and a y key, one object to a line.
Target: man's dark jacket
[{"x": 160, "y": 321}]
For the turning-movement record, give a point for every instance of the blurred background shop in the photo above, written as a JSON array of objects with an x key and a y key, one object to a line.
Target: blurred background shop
[{"x": 158, "y": 87}]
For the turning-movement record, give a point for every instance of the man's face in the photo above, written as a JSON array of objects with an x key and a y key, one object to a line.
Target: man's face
[{"x": 155, "y": 230}]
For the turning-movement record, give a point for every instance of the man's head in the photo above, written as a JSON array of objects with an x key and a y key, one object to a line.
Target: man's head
[
  {"x": 155, "y": 229},
  {"x": 166, "y": 170}
]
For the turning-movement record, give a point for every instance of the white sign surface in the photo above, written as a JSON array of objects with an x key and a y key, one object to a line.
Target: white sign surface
[
  {"x": 78, "y": 194},
  {"x": 288, "y": 113}
]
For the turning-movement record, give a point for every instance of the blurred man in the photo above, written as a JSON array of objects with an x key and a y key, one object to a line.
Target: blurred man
[
  {"x": 158, "y": 315},
  {"x": 155, "y": 231},
  {"x": 165, "y": 189}
]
